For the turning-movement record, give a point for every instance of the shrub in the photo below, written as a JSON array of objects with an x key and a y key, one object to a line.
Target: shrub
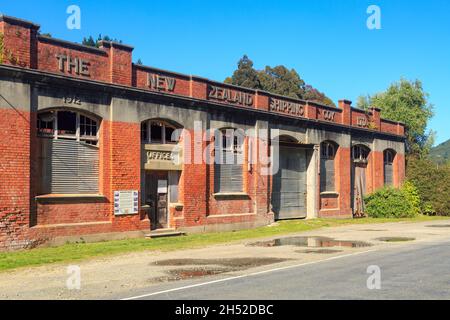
[
  {"x": 393, "y": 203},
  {"x": 433, "y": 184}
]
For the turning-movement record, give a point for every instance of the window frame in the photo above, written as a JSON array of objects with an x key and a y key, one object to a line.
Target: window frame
[
  {"x": 148, "y": 128},
  {"x": 328, "y": 151},
  {"x": 361, "y": 156},
  {"x": 388, "y": 160},
  {"x": 221, "y": 151},
  {"x": 92, "y": 140}
]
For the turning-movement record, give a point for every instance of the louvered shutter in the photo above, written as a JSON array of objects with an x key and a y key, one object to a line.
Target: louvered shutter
[
  {"x": 327, "y": 175},
  {"x": 388, "y": 172},
  {"x": 73, "y": 169},
  {"x": 228, "y": 176}
]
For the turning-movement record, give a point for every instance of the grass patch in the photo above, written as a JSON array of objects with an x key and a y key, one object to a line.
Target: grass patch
[{"x": 82, "y": 251}]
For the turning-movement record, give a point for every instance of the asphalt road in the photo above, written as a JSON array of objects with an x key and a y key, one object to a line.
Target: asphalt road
[{"x": 419, "y": 271}]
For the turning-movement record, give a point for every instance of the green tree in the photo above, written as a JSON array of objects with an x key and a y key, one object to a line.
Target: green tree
[
  {"x": 96, "y": 43},
  {"x": 282, "y": 81},
  {"x": 433, "y": 184},
  {"x": 407, "y": 102},
  {"x": 245, "y": 75},
  {"x": 89, "y": 42},
  {"x": 279, "y": 80}
]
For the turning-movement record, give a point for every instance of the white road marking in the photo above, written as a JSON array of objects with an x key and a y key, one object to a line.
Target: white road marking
[{"x": 246, "y": 275}]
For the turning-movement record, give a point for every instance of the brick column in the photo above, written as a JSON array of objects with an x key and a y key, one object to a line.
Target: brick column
[
  {"x": 346, "y": 106},
  {"x": 376, "y": 118},
  {"x": 19, "y": 42},
  {"x": 120, "y": 62}
]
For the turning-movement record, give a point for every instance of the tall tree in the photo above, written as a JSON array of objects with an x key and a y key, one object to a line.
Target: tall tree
[
  {"x": 245, "y": 75},
  {"x": 282, "y": 81},
  {"x": 279, "y": 80},
  {"x": 406, "y": 101}
]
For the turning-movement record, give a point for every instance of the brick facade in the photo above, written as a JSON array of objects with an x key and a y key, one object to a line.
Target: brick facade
[{"x": 39, "y": 73}]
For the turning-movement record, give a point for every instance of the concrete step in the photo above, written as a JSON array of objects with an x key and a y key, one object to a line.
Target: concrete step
[{"x": 164, "y": 233}]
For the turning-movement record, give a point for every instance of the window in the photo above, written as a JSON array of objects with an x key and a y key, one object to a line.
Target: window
[
  {"x": 61, "y": 124},
  {"x": 68, "y": 152},
  {"x": 228, "y": 169},
  {"x": 388, "y": 167},
  {"x": 327, "y": 176},
  {"x": 158, "y": 132},
  {"x": 360, "y": 153}
]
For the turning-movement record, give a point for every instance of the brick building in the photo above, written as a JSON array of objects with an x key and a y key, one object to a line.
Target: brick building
[{"x": 95, "y": 146}]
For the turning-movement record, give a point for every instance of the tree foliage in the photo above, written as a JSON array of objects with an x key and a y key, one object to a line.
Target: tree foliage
[
  {"x": 391, "y": 202},
  {"x": 279, "y": 80},
  {"x": 433, "y": 184},
  {"x": 89, "y": 41},
  {"x": 407, "y": 102}
]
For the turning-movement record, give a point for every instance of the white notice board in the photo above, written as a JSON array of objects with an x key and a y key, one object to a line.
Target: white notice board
[{"x": 126, "y": 202}]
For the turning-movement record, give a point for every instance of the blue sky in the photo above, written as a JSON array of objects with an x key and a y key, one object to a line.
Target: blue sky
[{"x": 326, "y": 41}]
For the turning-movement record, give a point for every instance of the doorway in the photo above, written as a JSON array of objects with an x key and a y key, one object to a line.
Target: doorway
[
  {"x": 289, "y": 184},
  {"x": 156, "y": 197},
  {"x": 359, "y": 188},
  {"x": 360, "y": 159}
]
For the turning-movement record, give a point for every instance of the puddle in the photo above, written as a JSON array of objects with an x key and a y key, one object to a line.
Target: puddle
[
  {"x": 320, "y": 251},
  {"x": 439, "y": 226},
  {"x": 395, "y": 239},
  {"x": 316, "y": 242},
  {"x": 208, "y": 267},
  {"x": 180, "y": 274},
  {"x": 189, "y": 273},
  {"x": 238, "y": 263}
]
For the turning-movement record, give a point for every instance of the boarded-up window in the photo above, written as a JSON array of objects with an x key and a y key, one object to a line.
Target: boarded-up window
[
  {"x": 327, "y": 175},
  {"x": 388, "y": 167},
  {"x": 228, "y": 168}
]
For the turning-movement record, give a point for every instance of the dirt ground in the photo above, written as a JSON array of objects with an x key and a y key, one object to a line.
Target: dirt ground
[{"x": 108, "y": 276}]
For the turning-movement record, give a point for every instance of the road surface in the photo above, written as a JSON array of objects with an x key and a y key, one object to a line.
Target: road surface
[{"x": 418, "y": 271}]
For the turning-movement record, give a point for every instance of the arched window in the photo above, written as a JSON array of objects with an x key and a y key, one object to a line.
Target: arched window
[
  {"x": 360, "y": 153},
  {"x": 70, "y": 125},
  {"x": 69, "y": 154},
  {"x": 228, "y": 173},
  {"x": 388, "y": 156},
  {"x": 327, "y": 176},
  {"x": 158, "y": 131}
]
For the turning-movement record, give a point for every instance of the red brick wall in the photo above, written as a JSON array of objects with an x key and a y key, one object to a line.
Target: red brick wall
[
  {"x": 390, "y": 127},
  {"x": 46, "y": 60},
  {"x": 125, "y": 146},
  {"x": 182, "y": 84},
  {"x": 18, "y": 44},
  {"x": 14, "y": 176},
  {"x": 120, "y": 64}
]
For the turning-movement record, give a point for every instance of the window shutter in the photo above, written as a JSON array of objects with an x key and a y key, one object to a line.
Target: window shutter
[
  {"x": 388, "y": 173},
  {"x": 327, "y": 175},
  {"x": 87, "y": 168},
  {"x": 74, "y": 167},
  {"x": 228, "y": 177}
]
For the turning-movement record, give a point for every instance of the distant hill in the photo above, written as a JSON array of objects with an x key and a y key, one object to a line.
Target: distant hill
[{"x": 441, "y": 153}]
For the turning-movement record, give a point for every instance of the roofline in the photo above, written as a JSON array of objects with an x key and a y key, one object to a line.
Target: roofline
[
  {"x": 139, "y": 91},
  {"x": 20, "y": 22}
]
